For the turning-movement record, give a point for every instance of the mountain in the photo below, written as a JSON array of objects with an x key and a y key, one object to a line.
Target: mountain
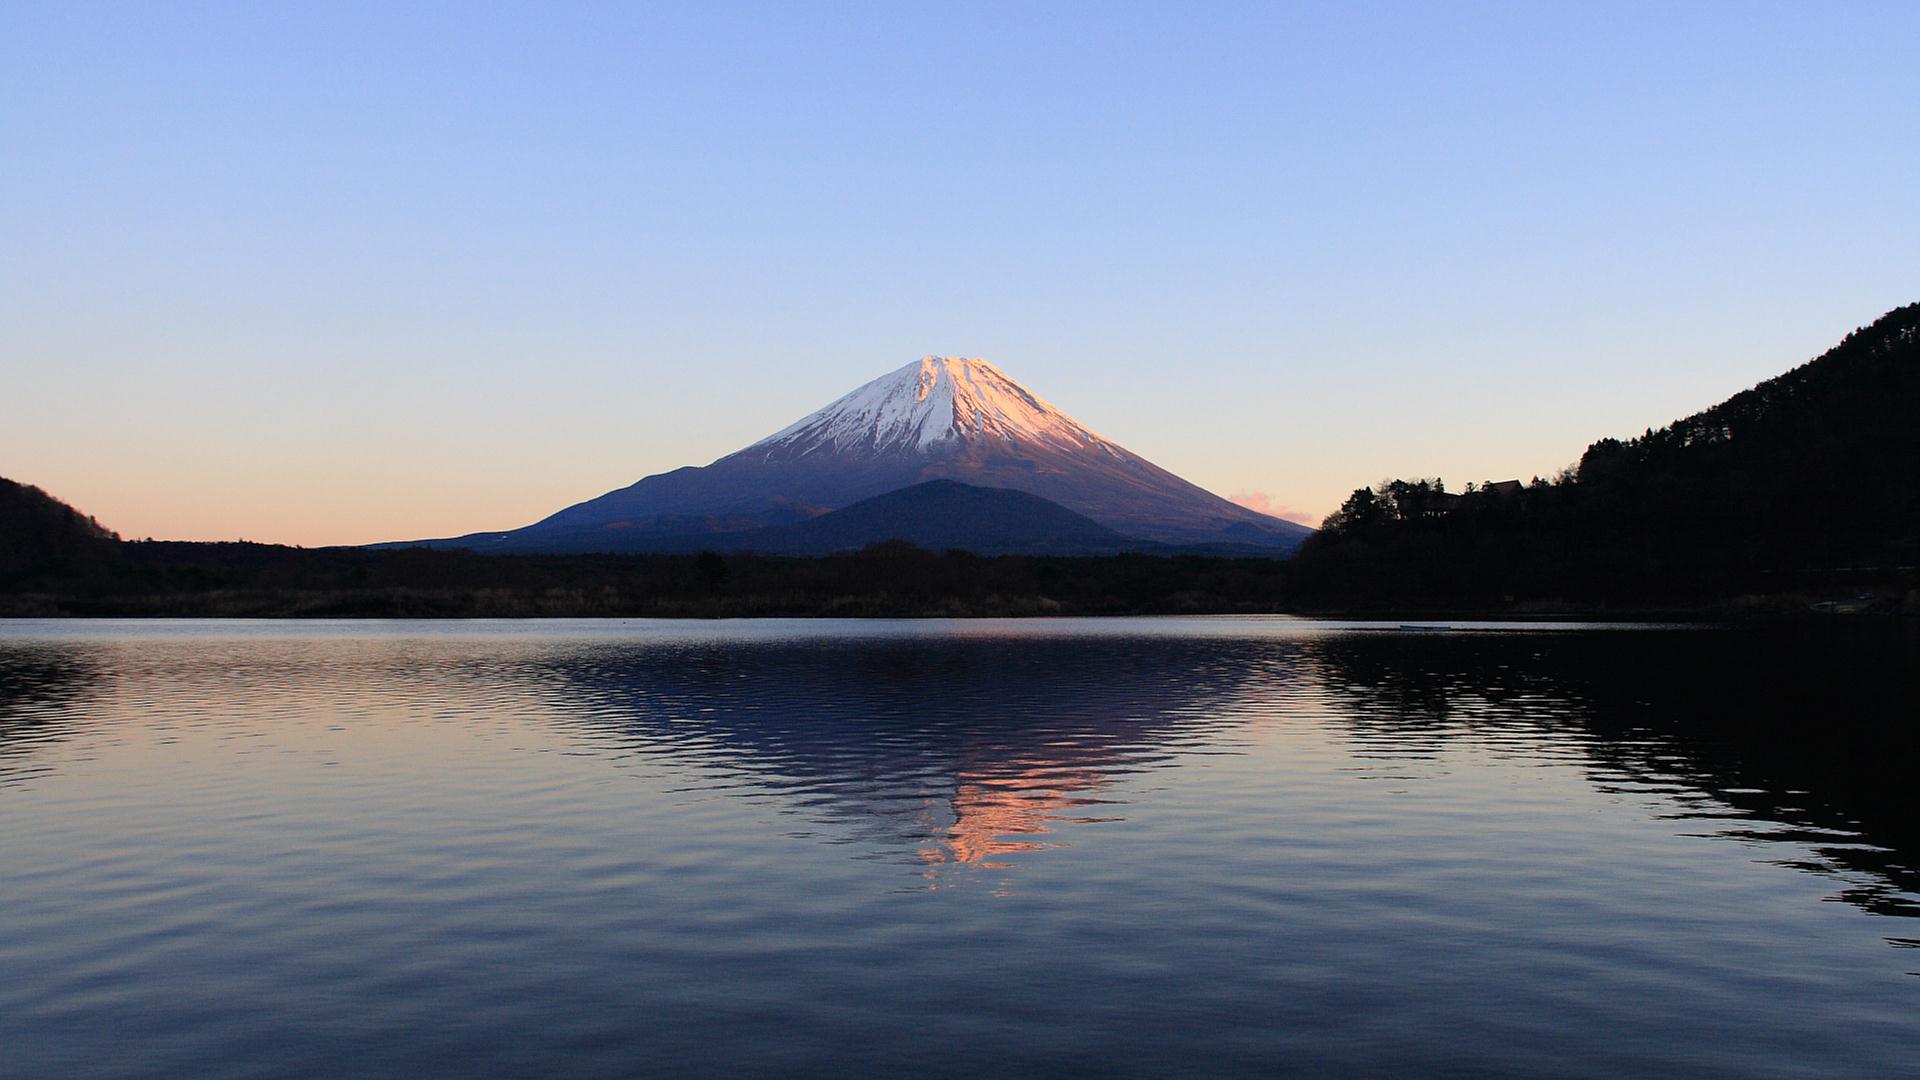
[
  {"x": 939, "y": 418},
  {"x": 1803, "y": 484}
]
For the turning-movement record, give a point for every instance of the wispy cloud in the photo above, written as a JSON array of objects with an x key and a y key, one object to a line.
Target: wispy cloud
[{"x": 1266, "y": 504}]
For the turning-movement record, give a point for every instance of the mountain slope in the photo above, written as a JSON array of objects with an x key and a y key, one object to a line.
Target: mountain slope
[
  {"x": 943, "y": 514},
  {"x": 938, "y": 418},
  {"x": 937, "y": 515}
]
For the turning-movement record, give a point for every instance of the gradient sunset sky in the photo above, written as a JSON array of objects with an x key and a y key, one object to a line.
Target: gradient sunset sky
[{"x": 334, "y": 274}]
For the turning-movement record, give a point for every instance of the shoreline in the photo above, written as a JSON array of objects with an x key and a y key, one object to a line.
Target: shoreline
[{"x": 398, "y": 608}]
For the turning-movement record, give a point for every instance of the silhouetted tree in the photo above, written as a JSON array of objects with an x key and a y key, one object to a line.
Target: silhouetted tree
[{"x": 712, "y": 568}]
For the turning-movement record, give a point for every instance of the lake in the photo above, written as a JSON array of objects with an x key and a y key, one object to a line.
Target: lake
[{"x": 1224, "y": 846}]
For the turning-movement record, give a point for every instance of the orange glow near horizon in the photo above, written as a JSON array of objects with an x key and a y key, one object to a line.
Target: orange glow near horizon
[{"x": 1002, "y": 813}]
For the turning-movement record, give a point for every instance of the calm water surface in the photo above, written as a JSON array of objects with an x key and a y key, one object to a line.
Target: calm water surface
[{"x": 1230, "y": 846}]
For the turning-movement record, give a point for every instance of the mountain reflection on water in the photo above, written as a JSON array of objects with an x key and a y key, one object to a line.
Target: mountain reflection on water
[
  {"x": 1233, "y": 846},
  {"x": 958, "y": 750}
]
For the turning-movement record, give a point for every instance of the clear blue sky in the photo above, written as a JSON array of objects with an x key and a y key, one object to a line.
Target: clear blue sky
[{"x": 338, "y": 274}]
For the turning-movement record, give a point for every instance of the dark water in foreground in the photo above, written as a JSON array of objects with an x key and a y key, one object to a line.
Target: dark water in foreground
[{"x": 1131, "y": 846}]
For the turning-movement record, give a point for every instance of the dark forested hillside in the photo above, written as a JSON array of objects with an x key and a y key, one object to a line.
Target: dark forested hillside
[
  {"x": 1807, "y": 483},
  {"x": 39, "y": 533}
]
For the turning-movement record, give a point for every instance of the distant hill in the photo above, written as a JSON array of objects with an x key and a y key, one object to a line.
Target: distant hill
[
  {"x": 1808, "y": 481},
  {"x": 39, "y": 531}
]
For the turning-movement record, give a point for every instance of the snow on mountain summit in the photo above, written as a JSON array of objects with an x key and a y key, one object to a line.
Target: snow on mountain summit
[{"x": 935, "y": 403}]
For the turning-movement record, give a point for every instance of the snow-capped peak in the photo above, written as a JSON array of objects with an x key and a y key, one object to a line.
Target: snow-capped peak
[{"x": 934, "y": 403}]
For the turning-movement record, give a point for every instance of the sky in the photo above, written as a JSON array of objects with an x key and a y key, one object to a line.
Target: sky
[{"x": 337, "y": 274}]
